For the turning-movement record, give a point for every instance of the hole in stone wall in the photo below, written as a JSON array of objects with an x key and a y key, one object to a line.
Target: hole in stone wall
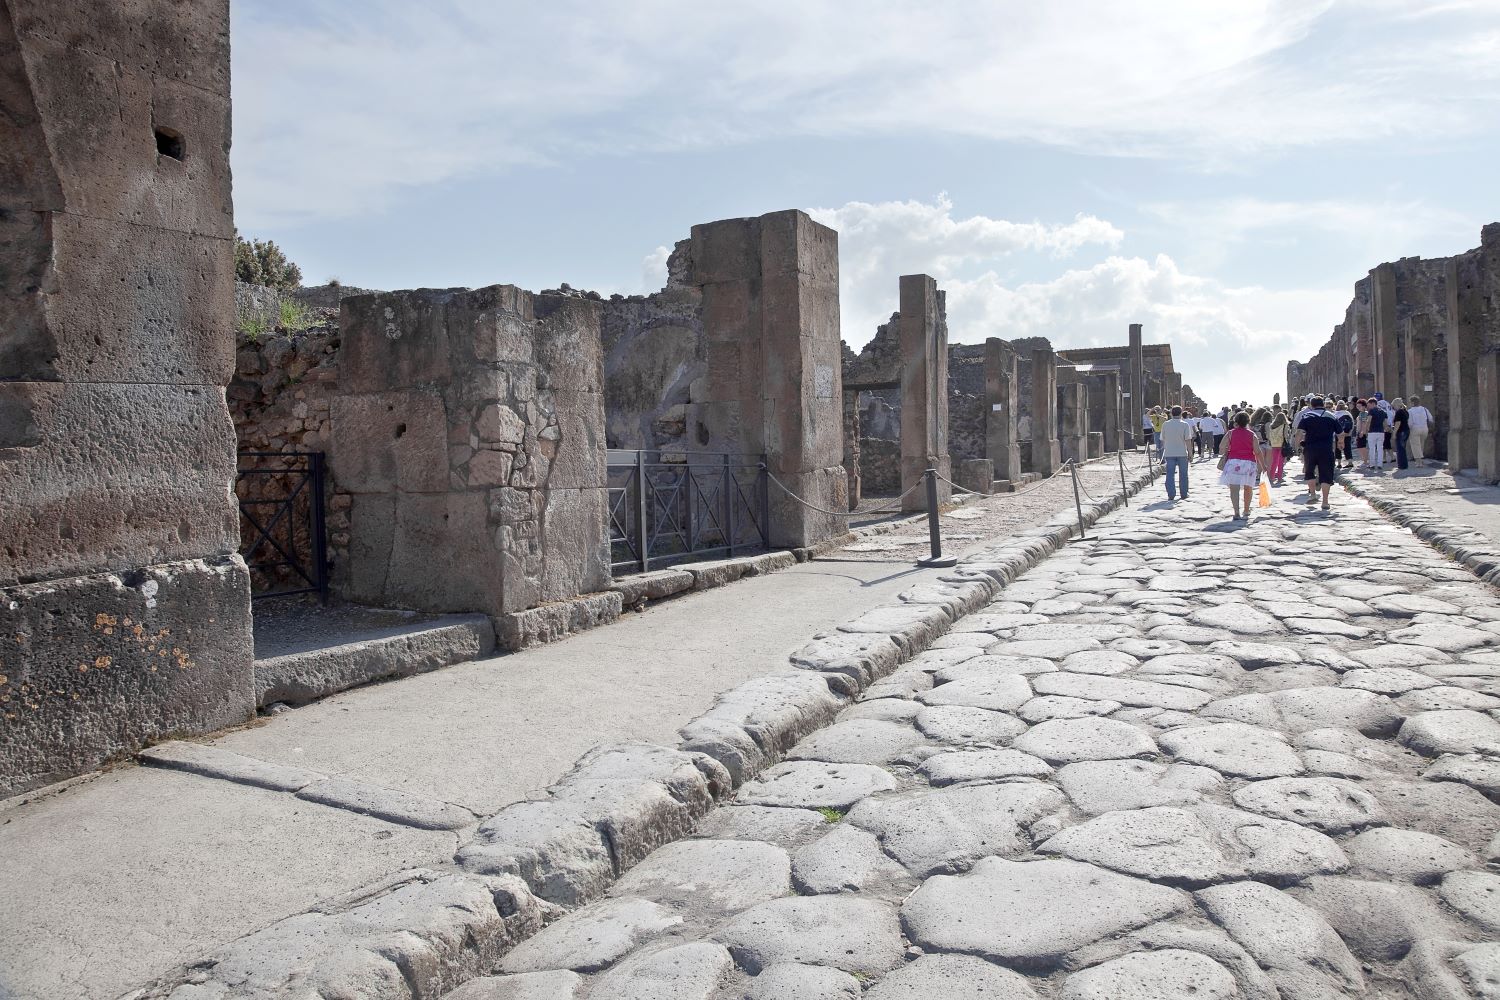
[
  {"x": 169, "y": 143},
  {"x": 400, "y": 429}
]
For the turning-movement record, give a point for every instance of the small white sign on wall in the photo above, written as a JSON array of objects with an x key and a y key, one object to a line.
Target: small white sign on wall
[
  {"x": 823, "y": 381},
  {"x": 997, "y": 407}
]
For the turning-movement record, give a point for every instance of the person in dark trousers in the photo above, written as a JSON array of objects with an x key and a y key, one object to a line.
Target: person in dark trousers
[
  {"x": 1344, "y": 449},
  {"x": 1319, "y": 432},
  {"x": 1401, "y": 432}
]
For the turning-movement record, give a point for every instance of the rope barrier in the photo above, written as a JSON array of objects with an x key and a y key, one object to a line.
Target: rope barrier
[{"x": 840, "y": 513}]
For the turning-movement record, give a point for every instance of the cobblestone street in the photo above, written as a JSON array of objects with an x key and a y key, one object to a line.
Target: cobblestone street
[{"x": 1186, "y": 757}]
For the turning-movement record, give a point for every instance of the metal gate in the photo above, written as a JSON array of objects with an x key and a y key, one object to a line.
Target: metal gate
[
  {"x": 281, "y": 522},
  {"x": 673, "y": 507}
]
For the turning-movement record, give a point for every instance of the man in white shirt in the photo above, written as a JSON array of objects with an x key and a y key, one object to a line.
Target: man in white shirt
[
  {"x": 1420, "y": 424},
  {"x": 1215, "y": 429},
  {"x": 1177, "y": 446}
]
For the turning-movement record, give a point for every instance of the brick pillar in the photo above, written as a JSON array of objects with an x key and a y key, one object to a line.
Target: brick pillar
[
  {"x": 1002, "y": 399},
  {"x": 771, "y": 324},
  {"x": 1383, "y": 327},
  {"x": 1046, "y": 455},
  {"x": 1462, "y": 337}
]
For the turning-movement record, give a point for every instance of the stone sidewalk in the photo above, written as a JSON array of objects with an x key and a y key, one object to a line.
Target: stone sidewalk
[
  {"x": 1188, "y": 757},
  {"x": 116, "y": 878}
]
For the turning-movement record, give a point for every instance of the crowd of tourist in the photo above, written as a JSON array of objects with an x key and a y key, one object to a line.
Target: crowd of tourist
[{"x": 1251, "y": 444}]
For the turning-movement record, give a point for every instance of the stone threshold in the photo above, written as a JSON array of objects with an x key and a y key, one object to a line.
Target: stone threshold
[
  {"x": 1471, "y": 549},
  {"x": 425, "y": 931}
]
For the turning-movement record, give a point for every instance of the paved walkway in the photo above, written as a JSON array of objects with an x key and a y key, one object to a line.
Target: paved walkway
[
  {"x": 1187, "y": 758},
  {"x": 114, "y": 879},
  {"x": 1466, "y": 502}
]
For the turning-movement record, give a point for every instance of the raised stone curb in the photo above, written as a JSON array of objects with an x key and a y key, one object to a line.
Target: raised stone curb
[
  {"x": 298, "y": 678},
  {"x": 1469, "y": 548},
  {"x": 550, "y": 622},
  {"x": 617, "y": 805}
]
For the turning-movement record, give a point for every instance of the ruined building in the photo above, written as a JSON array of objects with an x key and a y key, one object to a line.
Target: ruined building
[{"x": 1429, "y": 328}]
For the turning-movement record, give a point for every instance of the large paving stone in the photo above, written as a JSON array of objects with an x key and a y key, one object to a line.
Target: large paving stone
[
  {"x": 1032, "y": 913},
  {"x": 1056, "y": 706},
  {"x": 592, "y": 938},
  {"x": 816, "y": 785},
  {"x": 1108, "y": 785},
  {"x": 1298, "y": 710},
  {"x": 1387, "y": 680},
  {"x": 1458, "y": 732},
  {"x": 1300, "y": 952},
  {"x": 952, "y": 977},
  {"x": 1445, "y": 698},
  {"x": 982, "y": 765},
  {"x": 858, "y": 741},
  {"x": 996, "y": 692},
  {"x": 1074, "y": 630},
  {"x": 1448, "y": 638},
  {"x": 786, "y": 827},
  {"x": 1198, "y": 846},
  {"x": 1443, "y": 808},
  {"x": 1169, "y": 974},
  {"x": 693, "y": 971},
  {"x": 859, "y": 936},
  {"x": 1100, "y": 661},
  {"x": 948, "y": 829},
  {"x": 959, "y": 724},
  {"x": 1407, "y": 855},
  {"x": 1379, "y": 921},
  {"x": 1328, "y": 804},
  {"x": 1253, "y": 655},
  {"x": 1476, "y": 895},
  {"x": 985, "y": 666},
  {"x": 1399, "y": 655},
  {"x": 1233, "y": 748},
  {"x": 1052, "y": 649},
  {"x": 792, "y": 981},
  {"x": 558, "y": 985},
  {"x": 1238, "y": 618},
  {"x": 846, "y": 859},
  {"x": 1126, "y": 691},
  {"x": 1063, "y": 741},
  {"x": 1475, "y": 770},
  {"x": 717, "y": 875}
]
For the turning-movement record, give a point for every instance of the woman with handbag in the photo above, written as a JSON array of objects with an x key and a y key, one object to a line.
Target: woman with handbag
[
  {"x": 1277, "y": 446},
  {"x": 1240, "y": 469}
]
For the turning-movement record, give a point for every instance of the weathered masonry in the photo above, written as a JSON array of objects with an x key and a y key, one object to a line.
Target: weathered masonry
[
  {"x": 1426, "y": 328},
  {"x": 124, "y": 611}
]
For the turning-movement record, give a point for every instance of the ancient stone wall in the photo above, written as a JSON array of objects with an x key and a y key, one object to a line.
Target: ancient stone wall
[
  {"x": 967, "y": 409},
  {"x": 468, "y": 433},
  {"x": 124, "y": 612}
]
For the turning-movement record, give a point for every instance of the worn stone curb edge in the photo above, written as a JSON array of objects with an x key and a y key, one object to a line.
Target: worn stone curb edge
[
  {"x": 420, "y": 933},
  {"x": 1464, "y": 546}
]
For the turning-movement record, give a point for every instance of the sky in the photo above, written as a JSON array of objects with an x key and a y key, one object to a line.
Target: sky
[{"x": 1219, "y": 172}]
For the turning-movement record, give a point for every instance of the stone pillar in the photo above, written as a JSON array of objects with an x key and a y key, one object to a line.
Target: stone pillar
[
  {"x": 1462, "y": 337},
  {"x": 124, "y": 608},
  {"x": 1383, "y": 326},
  {"x": 1072, "y": 411},
  {"x": 1136, "y": 383},
  {"x": 771, "y": 325},
  {"x": 1046, "y": 455},
  {"x": 851, "y": 447},
  {"x": 924, "y": 389},
  {"x": 469, "y": 432},
  {"x": 1002, "y": 399},
  {"x": 1174, "y": 389},
  {"x": 1104, "y": 400}
]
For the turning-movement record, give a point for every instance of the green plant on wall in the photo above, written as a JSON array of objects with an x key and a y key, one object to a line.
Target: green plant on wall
[
  {"x": 261, "y": 262},
  {"x": 292, "y": 316},
  {"x": 251, "y": 328}
]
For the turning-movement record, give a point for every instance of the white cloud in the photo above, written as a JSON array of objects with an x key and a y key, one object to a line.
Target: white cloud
[
  {"x": 1226, "y": 340},
  {"x": 339, "y": 107}
]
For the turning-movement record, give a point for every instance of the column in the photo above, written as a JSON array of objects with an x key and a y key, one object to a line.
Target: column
[
  {"x": 924, "y": 389},
  {"x": 1383, "y": 327},
  {"x": 1002, "y": 396},
  {"x": 1046, "y": 455},
  {"x": 1462, "y": 337}
]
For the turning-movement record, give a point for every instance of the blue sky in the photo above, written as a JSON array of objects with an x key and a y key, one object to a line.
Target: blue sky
[{"x": 1222, "y": 173}]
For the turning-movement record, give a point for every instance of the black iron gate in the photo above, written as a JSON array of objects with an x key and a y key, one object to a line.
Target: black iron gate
[
  {"x": 666, "y": 508},
  {"x": 281, "y": 522}
]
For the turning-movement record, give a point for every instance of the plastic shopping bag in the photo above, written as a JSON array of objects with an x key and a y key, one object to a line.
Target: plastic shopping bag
[{"x": 1264, "y": 497}]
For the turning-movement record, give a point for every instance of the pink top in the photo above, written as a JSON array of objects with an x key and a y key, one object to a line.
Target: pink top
[{"x": 1241, "y": 444}]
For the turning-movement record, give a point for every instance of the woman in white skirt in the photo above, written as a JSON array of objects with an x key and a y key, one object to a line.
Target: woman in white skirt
[{"x": 1240, "y": 468}]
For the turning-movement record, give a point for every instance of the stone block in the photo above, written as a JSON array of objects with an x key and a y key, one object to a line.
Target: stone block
[
  {"x": 794, "y": 525},
  {"x": 393, "y": 340},
  {"x": 568, "y": 349},
  {"x": 101, "y": 119},
  {"x": 728, "y": 250},
  {"x": 389, "y": 441},
  {"x": 491, "y": 324},
  {"x": 97, "y": 666},
  {"x": 112, "y": 477},
  {"x": 188, "y": 43},
  {"x": 550, "y": 622},
  {"x": 575, "y": 544},
  {"x": 976, "y": 474},
  {"x": 652, "y": 586},
  {"x": 142, "y": 305},
  {"x": 440, "y": 554},
  {"x": 578, "y": 453}
]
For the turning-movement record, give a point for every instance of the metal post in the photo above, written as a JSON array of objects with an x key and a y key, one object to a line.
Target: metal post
[
  {"x": 1077, "y": 500},
  {"x": 642, "y": 493},
  {"x": 727, "y": 527},
  {"x": 934, "y": 536},
  {"x": 1124, "y": 490},
  {"x": 765, "y": 503},
  {"x": 320, "y": 541}
]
